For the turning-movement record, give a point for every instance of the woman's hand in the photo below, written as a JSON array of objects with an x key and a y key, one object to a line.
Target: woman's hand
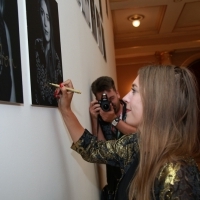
[{"x": 64, "y": 96}]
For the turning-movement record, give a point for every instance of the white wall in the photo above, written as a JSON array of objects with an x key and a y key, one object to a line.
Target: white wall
[{"x": 36, "y": 162}]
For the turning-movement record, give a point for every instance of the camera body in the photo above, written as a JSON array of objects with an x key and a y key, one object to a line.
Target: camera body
[{"x": 104, "y": 103}]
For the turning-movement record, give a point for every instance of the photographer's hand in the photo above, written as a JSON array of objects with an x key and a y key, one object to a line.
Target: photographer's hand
[
  {"x": 94, "y": 113},
  {"x": 94, "y": 109},
  {"x": 122, "y": 126},
  {"x": 108, "y": 116}
]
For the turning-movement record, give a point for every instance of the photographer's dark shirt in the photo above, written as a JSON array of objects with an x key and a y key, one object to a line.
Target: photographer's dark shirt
[
  {"x": 110, "y": 132},
  {"x": 113, "y": 173}
]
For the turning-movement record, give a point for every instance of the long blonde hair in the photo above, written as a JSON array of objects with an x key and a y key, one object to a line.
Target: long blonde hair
[{"x": 170, "y": 122}]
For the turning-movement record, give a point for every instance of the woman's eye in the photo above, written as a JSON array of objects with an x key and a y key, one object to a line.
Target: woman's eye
[{"x": 133, "y": 90}]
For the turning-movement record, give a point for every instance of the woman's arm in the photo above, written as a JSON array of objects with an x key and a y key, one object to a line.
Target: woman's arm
[
  {"x": 64, "y": 103},
  {"x": 114, "y": 152},
  {"x": 119, "y": 153}
]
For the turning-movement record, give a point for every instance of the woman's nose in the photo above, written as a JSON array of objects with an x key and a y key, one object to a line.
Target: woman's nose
[
  {"x": 127, "y": 97},
  {"x": 45, "y": 20}
]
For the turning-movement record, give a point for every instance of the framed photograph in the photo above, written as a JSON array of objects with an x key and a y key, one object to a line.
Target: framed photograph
[
  {"x": 103, "y": 43},
  {"x": 44, "y": 50},
  {"x": 100, "y": 9},
  {"x": 79, "y": 2},
  {"x": 99, "y": 32},
  {"x": 10, "y": 63},
  {"x": 86, "y": 10},
  {"x": 93, "y": 19}
]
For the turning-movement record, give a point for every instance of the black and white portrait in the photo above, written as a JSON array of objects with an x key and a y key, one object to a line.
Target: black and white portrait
[
  {"x": 86, "y": 10},
  {"x": 93, "y": 19},
  {"x": 79, "y": 2},
  {"x": 103, "y": 43},
  {"x": 44, "y": 50},
  {"x": 99, "y": 32},
  {"x": 10, "y": 58}
]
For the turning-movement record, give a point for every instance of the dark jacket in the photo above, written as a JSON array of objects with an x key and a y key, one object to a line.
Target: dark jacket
[{"x": 174, "y": 181}]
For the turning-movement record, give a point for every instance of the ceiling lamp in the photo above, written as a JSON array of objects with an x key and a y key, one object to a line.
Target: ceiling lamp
[{"x": 136, "y": 18}]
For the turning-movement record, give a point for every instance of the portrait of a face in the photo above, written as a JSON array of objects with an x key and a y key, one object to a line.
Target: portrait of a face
[
  {"x": 44, "y": 15},
  {"x": 10, "y": 58},
  {"x": 44, "y": 50}
]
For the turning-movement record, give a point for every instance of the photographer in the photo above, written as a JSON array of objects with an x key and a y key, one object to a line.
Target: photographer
[{"x": 108, "y": 115}]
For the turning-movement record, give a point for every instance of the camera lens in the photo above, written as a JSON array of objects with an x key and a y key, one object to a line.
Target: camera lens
[
  {"x": 104, "y": 103},
  {"x": 106, "y": 107}
]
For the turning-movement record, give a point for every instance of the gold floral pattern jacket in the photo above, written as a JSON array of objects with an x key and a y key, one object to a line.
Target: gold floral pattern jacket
[{"x": 175, "y": 181}]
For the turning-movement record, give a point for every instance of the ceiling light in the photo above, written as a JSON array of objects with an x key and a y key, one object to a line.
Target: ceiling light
[
  {"x": 136, "y": 18},
  {"x": 136, "y": 23}
]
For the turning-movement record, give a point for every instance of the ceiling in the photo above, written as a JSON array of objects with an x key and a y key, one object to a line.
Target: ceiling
[{"x": 168, "y": 26}]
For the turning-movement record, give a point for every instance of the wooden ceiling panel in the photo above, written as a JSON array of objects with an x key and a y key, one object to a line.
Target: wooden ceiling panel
[
  {"x": 188, "y": 19},
  {"x": 168, "y": 25},
  {"x": 117, "y": 0},
  {"x": 151, "y": 22}
]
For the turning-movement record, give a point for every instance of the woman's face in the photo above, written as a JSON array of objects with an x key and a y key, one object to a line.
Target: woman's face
[
  {"x": 44, "y": 15},
  {"x": 134, "y": 108}
]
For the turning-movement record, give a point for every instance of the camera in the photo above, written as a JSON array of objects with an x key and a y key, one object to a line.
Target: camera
[{"x": 104, "y": 103}]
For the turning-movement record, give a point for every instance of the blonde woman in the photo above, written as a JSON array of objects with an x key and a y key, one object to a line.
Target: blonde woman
[{"x": 163, "y": 105}]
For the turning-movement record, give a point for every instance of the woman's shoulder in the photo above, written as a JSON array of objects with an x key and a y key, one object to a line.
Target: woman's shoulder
[
  {"x": 175, "y": 168},
  {"x": 179, "y": 179}
]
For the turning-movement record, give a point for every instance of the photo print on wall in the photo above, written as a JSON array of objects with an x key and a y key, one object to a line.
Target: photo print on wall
[
  {"x": 92, "y": 11},
  {"x": 44, "y": 50},
  {"x": 86, "y": 10},
  {"x": 10, "y": 58},
  {"x": 103, "y": 43},
  {"x": 99, "y": 32},
  {"x": 93, "y": 19},
  {"x": 79, "y": 2}
]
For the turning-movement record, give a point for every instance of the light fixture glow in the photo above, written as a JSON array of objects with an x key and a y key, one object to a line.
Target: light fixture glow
[
  {"x": 136, "y": 23},
  {"x": 135, "y": 19}
]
